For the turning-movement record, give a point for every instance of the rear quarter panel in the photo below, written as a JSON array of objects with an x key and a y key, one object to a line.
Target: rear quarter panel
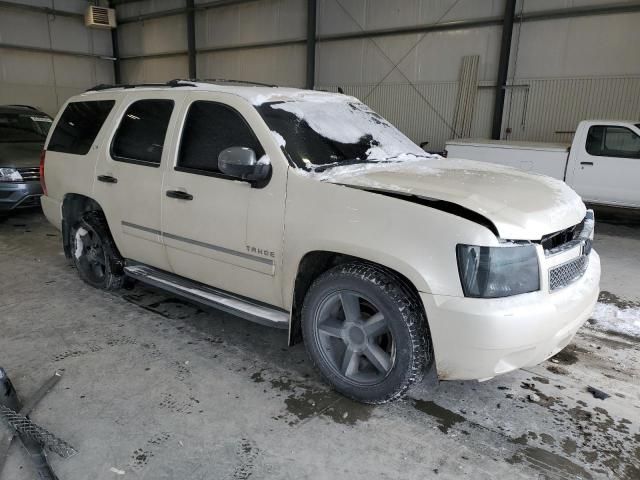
[{"x": 68, "y": 173}]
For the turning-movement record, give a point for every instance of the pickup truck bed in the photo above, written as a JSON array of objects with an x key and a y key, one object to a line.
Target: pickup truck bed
[
  {"x": 546, "y": 158},
  {"x": 602, "y": 164}
]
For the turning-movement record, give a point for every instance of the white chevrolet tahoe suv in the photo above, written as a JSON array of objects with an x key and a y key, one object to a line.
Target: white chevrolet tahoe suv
[{"x": 307, "y": 211}]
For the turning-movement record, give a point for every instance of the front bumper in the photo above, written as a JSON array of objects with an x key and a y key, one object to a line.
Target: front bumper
[
  {"x": 19, "y": 195},
  {"x": 480, "y": 338}
]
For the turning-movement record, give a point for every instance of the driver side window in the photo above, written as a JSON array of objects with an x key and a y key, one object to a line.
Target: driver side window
[
  {"x": 210, "y": 128},
  {"x": 612, "y": 141}
]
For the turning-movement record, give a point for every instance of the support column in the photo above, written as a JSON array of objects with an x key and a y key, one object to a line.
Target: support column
[
  {"x": 503, "y": 67},
  {"x": 115, "y": 52},
  {"x": 311, "y": 43},
  {"x": 191, "y": 38},
  {"x": 467, "y": 91}
]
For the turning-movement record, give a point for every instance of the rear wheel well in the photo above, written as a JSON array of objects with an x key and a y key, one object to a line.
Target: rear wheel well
[
  {"x": 74, "y": 206},
  {"x": 314, "y": 264}
]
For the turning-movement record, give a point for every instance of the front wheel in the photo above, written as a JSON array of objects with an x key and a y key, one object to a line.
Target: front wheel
[
  {"x": 95, "y": 254},
  {"x": 365, "y": 332}
]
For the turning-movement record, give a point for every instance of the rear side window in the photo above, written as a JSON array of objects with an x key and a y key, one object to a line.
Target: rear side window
[
  {"x": 612, "y": 141},
  {"x": 209, "y": 129},
  {"x": 78, "y": 126},
  {"x": 140, "y": 136}
]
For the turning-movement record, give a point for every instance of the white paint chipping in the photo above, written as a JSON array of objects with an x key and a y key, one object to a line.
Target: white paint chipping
[
  {"x": 613, "y": 318},
  {"x": 79, "y": 243}
]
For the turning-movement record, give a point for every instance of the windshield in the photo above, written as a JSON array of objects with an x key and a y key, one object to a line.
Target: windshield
[
  {"x": 24, "y": 127},
  {"x": 321, "y": 134}
]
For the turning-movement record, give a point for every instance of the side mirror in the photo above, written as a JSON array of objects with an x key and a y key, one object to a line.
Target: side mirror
[{"x": 240, "y": 162}]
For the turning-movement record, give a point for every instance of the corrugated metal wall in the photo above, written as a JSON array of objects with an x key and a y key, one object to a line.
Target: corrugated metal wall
[
  {"x": 165, "y": 37},
  {"x": 249, "y": 24},
  {"x": 548, "y": 110},
  {"x": 563, "y": 71},
  {"x": 30, "y": 74},
  {"x": 573, "y": 68},
  {"x": 404, "y": 105},
  {"x": 219, "y": 31}
]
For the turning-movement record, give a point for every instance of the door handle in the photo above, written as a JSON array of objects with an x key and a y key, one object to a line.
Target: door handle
[
  {"x": 107, "y": 179},
  {"x": 180, "y": 195},
  {"x": 586, "y": 163}
]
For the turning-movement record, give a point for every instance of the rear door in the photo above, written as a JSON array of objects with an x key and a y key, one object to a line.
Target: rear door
[
  {"x": 129, "y": 174},
  {"x": 606, "y": 169},
  {"x": 219, "y": 230}
]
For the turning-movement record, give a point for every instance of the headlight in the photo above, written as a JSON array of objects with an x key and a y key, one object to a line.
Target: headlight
[
  {"x": 491, "y": 272},
  {"x": 10, "y": 175}
]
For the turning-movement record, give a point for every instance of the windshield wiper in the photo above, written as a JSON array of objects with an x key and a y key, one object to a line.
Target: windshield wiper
[{"x": 353, "y": 161}]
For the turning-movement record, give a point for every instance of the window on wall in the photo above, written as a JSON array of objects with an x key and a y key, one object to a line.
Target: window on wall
[
  {"x": 612, "y": 141},
  {"x": 78, "y": 126},
  {"x": 142, "y": 131},
  {"x": 209, "y": 129}
]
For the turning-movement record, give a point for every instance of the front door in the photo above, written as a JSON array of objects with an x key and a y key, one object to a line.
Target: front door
[
  {"x": 129, "y": 176},
  {"x": 608, "y": 169},
  {"x": 220, "y": 230}
]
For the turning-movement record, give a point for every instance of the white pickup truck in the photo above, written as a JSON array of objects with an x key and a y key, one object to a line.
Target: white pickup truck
[{"x": 602, "y": 164}]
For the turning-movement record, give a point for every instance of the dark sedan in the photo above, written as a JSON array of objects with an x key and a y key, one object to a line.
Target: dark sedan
[{"x": 23, "y": 131}]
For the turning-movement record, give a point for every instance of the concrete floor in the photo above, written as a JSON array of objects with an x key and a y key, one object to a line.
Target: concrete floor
[{"x": 162, "y": 389}]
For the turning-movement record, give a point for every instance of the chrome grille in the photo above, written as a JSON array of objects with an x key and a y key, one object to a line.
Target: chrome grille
[
  {"x": 567, "y": 273},
  {"x": 30, "y": 174}
]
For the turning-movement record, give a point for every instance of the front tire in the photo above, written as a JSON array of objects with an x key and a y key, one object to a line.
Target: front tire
[
  {"x": 366, "y": 332},
  {"x": 95, "y": 254}
]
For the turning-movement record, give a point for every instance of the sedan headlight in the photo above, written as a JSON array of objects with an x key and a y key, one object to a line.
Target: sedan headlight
[
  {"x": 492, "y": 272},
  {"x": 10, "y": 175}
]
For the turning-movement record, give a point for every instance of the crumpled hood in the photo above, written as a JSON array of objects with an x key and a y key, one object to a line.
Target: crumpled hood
[
  {"x": 23, "y": 154},
  {"x": 522, "y": 206}
]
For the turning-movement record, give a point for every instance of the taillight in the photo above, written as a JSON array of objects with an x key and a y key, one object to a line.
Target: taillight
[{"x": 42, "y": 182}]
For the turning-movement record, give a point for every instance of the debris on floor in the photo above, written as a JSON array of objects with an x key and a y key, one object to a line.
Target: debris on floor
[
  {"x": 34, "y": 438},
  {"x": 597, "y": 393},
  {"x": 533, "y": 398}
]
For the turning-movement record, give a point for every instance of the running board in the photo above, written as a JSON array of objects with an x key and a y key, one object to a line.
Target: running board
[{"x": 212, "y": 297}]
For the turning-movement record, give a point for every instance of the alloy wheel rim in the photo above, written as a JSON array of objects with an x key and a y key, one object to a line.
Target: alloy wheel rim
[{"x": 355, "y": 338}]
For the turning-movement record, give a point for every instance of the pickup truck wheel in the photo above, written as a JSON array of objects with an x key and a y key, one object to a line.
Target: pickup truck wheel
[
  {"x": 95, "y": 254},
  {"x": 365, "y": 332}
]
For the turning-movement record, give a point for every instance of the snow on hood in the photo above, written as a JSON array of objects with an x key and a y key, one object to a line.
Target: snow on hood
[{"x": 522, "y": 206}]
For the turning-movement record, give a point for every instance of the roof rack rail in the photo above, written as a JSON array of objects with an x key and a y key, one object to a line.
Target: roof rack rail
[
  {"x": 171, "y": 84},
  {"x": 30, "y": 107},
  {"x": 229, "y": 80}
]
